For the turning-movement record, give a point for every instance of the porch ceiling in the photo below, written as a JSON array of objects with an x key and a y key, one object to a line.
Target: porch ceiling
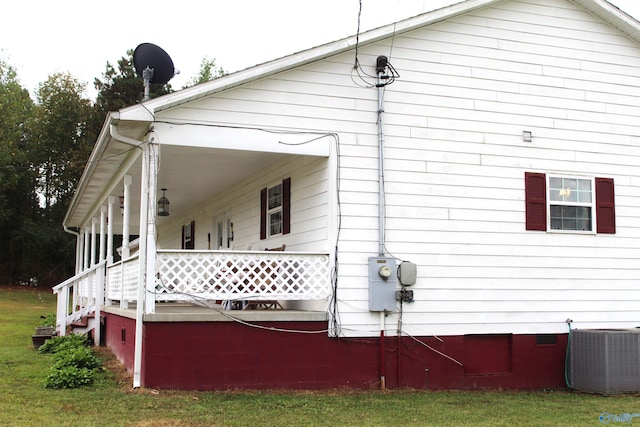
[{"x": 191, "y": 176}]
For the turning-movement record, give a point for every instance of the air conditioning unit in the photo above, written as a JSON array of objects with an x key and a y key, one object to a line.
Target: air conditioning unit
[{"x": 605, "y": 361}]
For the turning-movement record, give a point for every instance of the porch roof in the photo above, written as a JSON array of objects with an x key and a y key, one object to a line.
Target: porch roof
[{"x": 197, "y": 162}]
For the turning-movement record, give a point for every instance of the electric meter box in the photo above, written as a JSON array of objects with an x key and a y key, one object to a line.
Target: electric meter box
[{"x": 382, "y": 284}]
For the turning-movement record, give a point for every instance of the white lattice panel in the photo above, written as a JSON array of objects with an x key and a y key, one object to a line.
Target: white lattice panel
[
  {"x": 122, "y": 280},
  {"x": 225, "y": 275}
]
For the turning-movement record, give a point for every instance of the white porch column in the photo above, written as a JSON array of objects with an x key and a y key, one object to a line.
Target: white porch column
[
  {"x": 79, "y": 252},
  {"x": 103, "y": 220},
  {"x": 87, "y": 247},
  {"x": 150, "y": 300},
  {"x": 146, "y": 273},
  {"x": 94, "y": 222},
  {"x": 125, "y": 217},
  {"x": 111, "y": 202}
]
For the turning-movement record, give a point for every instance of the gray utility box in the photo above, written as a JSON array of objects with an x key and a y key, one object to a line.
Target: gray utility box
[
  {"x": 605, "y": 361},
  {"x": 383, "y": 277}
]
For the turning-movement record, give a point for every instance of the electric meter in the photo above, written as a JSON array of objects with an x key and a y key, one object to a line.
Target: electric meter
[{"x": 385, "y": 272}]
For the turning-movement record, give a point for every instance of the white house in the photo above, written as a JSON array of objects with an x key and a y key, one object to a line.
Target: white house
[{"x": 485, "y": 155}]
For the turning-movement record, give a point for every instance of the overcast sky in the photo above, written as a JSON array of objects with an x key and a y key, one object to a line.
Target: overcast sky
[{"x": 41, "y": 37}]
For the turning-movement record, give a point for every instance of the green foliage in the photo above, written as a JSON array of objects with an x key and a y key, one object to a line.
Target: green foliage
[
  {"x": 79, "y": 357},
  {"x": 75, "y": 364},
  {"x": 62, "y": 343},
  {"x": 48, "y": 320},
  {"x": 69, "y": 377},
  {"x": 209, "y": 70}
]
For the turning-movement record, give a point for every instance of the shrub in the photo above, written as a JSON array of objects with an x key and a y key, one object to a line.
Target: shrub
[
  {"x": 80, "y": 357},
  {"x": 69, "y": 377},
  {"x": 48, "y": 320},
  {"x": 60, "y": 343},
  {"x": 75, "y": 365}
]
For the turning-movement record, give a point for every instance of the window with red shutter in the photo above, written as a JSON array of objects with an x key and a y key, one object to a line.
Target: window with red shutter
[
  {"x": 569, "y": 203},
  {"x": 275, "y": 209}
]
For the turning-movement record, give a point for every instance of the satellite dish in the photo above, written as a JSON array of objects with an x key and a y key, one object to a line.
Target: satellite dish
[{"x": 153, "y": 64}]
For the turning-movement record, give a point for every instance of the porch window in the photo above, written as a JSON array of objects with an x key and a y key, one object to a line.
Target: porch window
[
  {"x": 275, "y": 209},
  {"x": 569, "y": 203},
  {"x": 188, "y": 235}
]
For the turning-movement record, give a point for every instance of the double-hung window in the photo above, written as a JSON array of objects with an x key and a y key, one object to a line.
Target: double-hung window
[
  {"x": 569, "y": 203},
  {"x": 275, "y": 209}
]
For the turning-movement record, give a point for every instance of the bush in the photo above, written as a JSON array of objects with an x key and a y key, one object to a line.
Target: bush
[
  {"x": 48, "y": 320},
  {"x": 75, "y": 365},
  {"x": 69, "y": 377},
  {"x": 80, "y": 357},
  {"x": 61, "y": 343}
]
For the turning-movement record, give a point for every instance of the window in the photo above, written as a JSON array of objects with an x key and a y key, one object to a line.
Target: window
[
  {"x": 188, "y": 235},
  {"x": 275, "y": 209},
  {"x": 570, "y": 204}
]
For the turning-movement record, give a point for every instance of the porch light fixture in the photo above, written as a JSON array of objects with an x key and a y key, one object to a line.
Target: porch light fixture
[
  {"x": 163, "y": 204},
  {"x": 121, "y": 204}
]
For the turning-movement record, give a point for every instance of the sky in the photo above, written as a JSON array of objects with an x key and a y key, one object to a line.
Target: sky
[{"x": 42, "y": 37}]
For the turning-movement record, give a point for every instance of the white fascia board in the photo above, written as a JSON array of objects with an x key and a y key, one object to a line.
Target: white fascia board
[{"x": 243, "y": 139}]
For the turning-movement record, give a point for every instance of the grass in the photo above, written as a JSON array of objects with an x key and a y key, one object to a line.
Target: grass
[{"x": 111, "y": 402}]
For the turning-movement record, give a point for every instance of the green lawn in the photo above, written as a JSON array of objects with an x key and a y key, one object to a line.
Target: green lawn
[{"x": 111, "y": 402}]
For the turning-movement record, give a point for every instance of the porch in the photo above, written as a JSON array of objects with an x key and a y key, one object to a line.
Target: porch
[{"x": 188, "y": 279}]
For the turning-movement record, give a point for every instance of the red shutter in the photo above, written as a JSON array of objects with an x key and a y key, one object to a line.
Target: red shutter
[
  {"x": 183, "y": 235},
  {"x": 263, "y": 214},
  {"x": 535, "y": 190},
  {"x": 605, "y": 206},
  {"x": 286, "y": 206},
  {"x": 192, "y": 244}
]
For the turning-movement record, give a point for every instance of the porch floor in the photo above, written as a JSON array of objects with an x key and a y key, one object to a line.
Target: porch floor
[{"x": 188, "y": 312}]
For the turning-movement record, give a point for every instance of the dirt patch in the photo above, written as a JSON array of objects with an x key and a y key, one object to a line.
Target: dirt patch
[{"x": 113, "y": 365}]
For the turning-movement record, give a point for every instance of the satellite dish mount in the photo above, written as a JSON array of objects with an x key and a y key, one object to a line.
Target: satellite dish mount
[
  {"x": 147, "y": 76},
  {"x": 154, "y": 65}
]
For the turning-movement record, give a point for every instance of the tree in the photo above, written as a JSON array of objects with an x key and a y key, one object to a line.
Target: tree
[
  {"x": 61, "y": 130},
  {"x": 17, "y": 172},
  {"x": 62, "y": 143},
  {"x": 209, "y": 70}
]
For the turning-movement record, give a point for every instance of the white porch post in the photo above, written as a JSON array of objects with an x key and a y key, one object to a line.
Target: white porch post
[
  {"x": 92, "y": 261},
  {"x": 125, "y": 217},
  {"x": 146, "y": 273},
  {"x": 87, "y": 247},
  {"x": 103, "y": 220},
  {"x": 150, "y": 250},
  {"x": 79, "y": 252},
  {"x": 111, "y": 201}
]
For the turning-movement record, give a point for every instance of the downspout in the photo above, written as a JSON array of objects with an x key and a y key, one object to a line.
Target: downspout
[
  {"x": 381, "y": 65},
  {"x": 137, "y": 356},
  {"x": 77, "y": 234}
]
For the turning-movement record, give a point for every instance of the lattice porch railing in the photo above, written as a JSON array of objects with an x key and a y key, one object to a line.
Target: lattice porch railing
[
  {"x": 231, "y": 275},
  {"x": 122, "y": 281}
]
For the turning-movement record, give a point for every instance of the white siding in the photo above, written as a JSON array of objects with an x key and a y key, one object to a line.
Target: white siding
[
  {"x": 241, "y": 203},
  {"x": 454, "y": 168}
]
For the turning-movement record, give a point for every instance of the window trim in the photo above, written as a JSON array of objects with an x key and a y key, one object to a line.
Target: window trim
[{"x": 591, "y": 205}]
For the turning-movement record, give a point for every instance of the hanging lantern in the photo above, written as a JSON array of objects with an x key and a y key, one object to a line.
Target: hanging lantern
[{"x": 163, "y": 204}]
